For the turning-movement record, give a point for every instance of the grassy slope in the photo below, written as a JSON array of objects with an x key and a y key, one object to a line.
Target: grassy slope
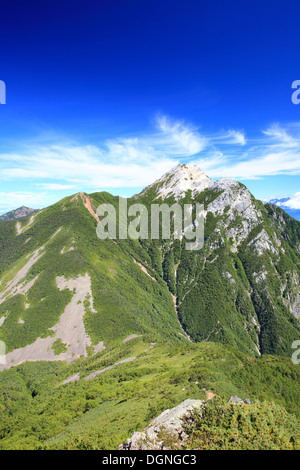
[
  {"x": 39, "y": 411},
  {"x": 126, "y": 299}
]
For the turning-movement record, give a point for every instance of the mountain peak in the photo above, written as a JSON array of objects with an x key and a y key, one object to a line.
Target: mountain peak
[
  {"x": 19, "y": 213},
  {"x": 179, "y": 180}
]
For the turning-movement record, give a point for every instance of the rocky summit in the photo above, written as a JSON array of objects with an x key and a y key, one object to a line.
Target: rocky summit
[{"x": 179, "y": 180}]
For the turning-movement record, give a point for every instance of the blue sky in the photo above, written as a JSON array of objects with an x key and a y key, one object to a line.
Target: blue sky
[{"x": 109, "y": 95}]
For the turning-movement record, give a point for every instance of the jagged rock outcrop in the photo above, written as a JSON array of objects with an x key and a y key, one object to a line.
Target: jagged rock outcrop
[
  {"x": 179, "y": 180},
  {"x": 168, "y": 426},
  {"x": 170, "y": 422}
]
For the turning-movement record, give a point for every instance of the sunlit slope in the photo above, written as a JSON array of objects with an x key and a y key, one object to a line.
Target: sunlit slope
[
  {"x": 55, "y": 260},
  {"x": 243, "y": 287},
  {"x": 98, "y": 402}
]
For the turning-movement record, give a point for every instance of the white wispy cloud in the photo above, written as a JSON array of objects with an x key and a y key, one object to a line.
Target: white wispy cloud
[
  {"x": 281, "y": 136},
  {"x": 55, "y": 186},
  {"x": 61, "y": 164},
  {"x": 12, "y": 200},
  {"x": 122, "y": 162},
  {"x": 229, "y": 137},
  {"x": 275, "y": 152},
  {"x": 293, "y": 202},
  {"x": 236, "y": 137},
  {"x": 186, "y": 138},
  {"x": 275, "y": 163}
]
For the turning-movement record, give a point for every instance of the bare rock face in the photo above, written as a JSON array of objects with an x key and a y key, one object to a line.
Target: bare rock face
[
  {"x": 168, "y": 426},
  {"x": 235, "y": 400},
  {"x": 179, "y": 180},
  {"x": 170, "y": 422}
]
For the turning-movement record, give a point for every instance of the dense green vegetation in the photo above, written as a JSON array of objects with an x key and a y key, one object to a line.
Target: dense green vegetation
[
  {"x": 219, "y": 295},
  {"x": 227, "y": 426},
  {"x": 39, "y": 411}
]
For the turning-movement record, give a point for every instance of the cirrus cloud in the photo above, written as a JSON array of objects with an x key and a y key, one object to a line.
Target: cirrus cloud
[{"x": 134, "y": 162}]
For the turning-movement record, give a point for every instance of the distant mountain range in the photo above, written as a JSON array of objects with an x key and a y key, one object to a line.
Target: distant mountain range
[
  {"x": 19, "y": 213},
  {"x": 281, "y": 203}
]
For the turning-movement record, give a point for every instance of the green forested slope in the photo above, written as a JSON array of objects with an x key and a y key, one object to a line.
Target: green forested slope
[{"x": 39, "y": 411}]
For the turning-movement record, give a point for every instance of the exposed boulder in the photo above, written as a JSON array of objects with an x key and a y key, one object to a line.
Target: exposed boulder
[
  {"x": 237, "y": 400},
  {"x": 169, "y": 422}
]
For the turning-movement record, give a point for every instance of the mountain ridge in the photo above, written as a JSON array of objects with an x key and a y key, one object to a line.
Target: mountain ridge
[
  {"x": 281, "y": 202},
  {"x": 19, "y": 213}
]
